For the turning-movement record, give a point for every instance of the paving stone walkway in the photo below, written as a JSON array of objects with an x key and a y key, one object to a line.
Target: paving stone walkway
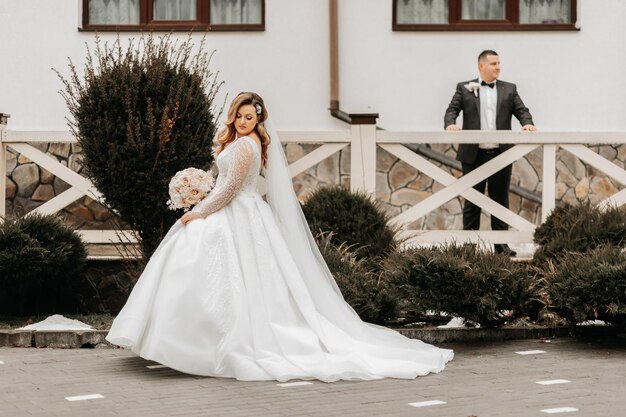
[{"x": 579, "y": 378}]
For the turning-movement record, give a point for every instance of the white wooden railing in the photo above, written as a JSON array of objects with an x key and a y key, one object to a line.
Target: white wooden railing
[
  {"x": 526, "y": 142},
  {"x": 364, "y": 140}
]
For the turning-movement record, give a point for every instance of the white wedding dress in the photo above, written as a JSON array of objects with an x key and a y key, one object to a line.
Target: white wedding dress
[{"x": 224, "y": 296}]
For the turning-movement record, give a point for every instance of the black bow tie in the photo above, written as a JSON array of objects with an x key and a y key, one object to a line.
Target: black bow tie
[{"x": 490, "y": 85}]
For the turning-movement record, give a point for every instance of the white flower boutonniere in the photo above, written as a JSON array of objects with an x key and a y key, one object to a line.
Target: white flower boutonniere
[{"x": 473, "y": 86}]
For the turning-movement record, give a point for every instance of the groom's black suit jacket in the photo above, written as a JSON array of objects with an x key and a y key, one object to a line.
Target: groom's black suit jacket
[{"x": 509, "y": 104}]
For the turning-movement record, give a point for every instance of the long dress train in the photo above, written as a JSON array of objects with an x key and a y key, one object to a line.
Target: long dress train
[{"x": 222, "y": 296}]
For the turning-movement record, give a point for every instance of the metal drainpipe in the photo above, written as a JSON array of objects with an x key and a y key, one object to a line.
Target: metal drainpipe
[
  {"x": 333, "y": 31},
  {"x": 334, "y": 54}
]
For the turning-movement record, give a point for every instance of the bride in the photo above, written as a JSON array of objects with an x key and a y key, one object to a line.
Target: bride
[{"x": 238, "y": 287}]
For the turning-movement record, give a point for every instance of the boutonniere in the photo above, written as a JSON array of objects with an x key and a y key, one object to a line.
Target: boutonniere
[{"x": 473, "y": 86}]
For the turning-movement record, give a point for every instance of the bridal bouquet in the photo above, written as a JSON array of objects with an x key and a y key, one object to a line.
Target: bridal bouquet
[{"x": 188, "y": 187}]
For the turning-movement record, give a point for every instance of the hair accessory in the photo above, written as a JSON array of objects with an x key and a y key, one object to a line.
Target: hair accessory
[{"x": 259, "y": 109}]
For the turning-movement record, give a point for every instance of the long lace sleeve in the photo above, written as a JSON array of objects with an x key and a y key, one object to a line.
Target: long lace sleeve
[{"x": 238, "y": 168}]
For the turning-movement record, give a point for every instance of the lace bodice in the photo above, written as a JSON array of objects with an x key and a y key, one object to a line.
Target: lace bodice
[{"x": 238, "y": 166}]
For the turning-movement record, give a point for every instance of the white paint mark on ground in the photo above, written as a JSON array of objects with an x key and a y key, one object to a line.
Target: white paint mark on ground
[
  {"x": 530, "y": 352},
  {"x": 294, "y": 384},
  {"x": 427, "y": 403},
  {"x": 156, "y": 366},
  {"x": 553, "y": 382},
  {"x": 559, "y": 410},
  {"x": 85, "y": 397}
]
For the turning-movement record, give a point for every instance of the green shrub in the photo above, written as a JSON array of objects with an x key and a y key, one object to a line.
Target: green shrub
[
  {"x": 536, "y": 309},
  {"x": 41, "y": 266},
  {"x": 460, "y": 280},
  {"x": 589, "y": 286},
  {"x": 353, "y": 218},
  {"x": 142, "y": 113},
  {"x": 360, "y": 286},
  {"x": 578, "y": 229}
]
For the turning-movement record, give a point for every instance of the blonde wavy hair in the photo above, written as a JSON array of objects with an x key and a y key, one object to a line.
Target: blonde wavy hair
[{"x": 228, "y": 134}]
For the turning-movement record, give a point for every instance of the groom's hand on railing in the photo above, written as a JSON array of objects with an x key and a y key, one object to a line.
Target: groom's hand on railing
[{"x": 453, "y": 127}]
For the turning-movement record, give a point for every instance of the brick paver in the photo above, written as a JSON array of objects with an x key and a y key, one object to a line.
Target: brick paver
[{"x": 483, "y": 380}]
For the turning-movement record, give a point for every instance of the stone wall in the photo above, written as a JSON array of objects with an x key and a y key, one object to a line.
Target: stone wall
[
  {"x": 398, "y": 185},
  {"x": 29, "y": 186}
]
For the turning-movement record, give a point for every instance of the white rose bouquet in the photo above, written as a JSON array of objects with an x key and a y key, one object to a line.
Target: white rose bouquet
[{"x": 188, "y": 187}]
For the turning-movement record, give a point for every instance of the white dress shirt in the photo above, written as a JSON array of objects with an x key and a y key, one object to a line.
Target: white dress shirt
[{"x": 488, "y": 105}]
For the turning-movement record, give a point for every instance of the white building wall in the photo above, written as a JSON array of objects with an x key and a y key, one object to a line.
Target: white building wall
[
  {"x": 288, "y": 63},
  {"x": 569, "y": 80}
]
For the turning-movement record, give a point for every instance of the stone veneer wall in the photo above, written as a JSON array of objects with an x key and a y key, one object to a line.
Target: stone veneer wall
[
  {"x": 398, "y": 185},
  {"x": 29, "y": 186}
]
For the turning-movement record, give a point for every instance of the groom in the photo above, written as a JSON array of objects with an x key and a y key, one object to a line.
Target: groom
[{"x": 487, "y": 104}]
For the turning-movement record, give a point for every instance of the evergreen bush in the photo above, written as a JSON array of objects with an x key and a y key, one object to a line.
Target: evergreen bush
[
  {"x": 141, "y": 113},
  {"x": 589, "y": 286},
  {"x": 360, "y": 286},
  {"x": 460, "y": 280},
  {"x": 579, "y": 228},
  {"x": 352, "y": 218},
  {"x": 41, "y": 266}
]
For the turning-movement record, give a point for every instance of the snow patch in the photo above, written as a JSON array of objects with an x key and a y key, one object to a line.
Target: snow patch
[{"x": 57, "y": 322}]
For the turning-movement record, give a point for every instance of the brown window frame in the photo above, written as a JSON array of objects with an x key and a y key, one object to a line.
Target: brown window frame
[
  {"x": 147, "y": 22},
  {"x": 510, "y": 23}
]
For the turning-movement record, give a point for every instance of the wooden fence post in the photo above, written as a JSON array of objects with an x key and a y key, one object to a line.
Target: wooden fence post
[
  {"x": 363, "y": 152},
  {"x": 548, "y": 198},
  {"x": 3, "y": 164}
]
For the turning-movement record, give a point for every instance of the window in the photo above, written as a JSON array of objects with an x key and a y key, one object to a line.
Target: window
[
  {"x": 484, "y": 15},
  {"x": 167, "y": 15}
]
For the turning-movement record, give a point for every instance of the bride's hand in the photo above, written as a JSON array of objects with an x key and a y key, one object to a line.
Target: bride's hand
[{"x": 187, "y": 217}]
